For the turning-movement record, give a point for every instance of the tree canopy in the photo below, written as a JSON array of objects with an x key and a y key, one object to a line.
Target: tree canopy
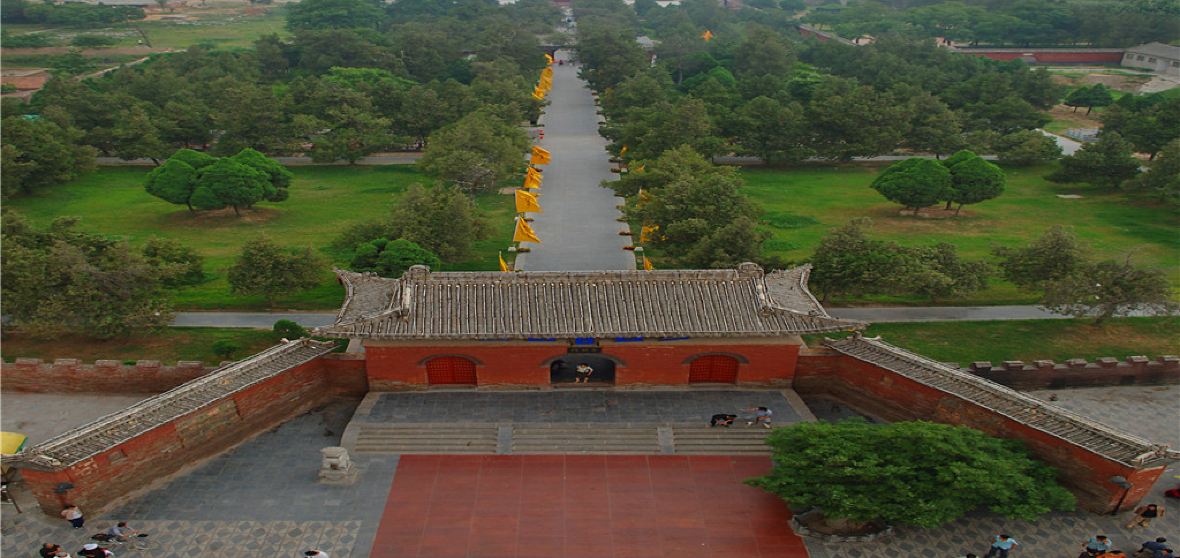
[
  {"x": 391, "y": 258},
  {"x": 915, "y": 183},
  {"x": 266, "y": 269},
  {"x": 475, "y": 153},
  {"x": 441, "y": 219},
  {"x": 200, "y": 181},
  {"x": 1106, "y": 163},
  {"x": 908, "y": 473}
]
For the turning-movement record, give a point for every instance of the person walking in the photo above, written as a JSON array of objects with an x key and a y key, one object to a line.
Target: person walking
[
  {"x": 1001, "y": 546},
  {"x": 583, "y": 372},
  {"x": 1144, "y": 515},
  {"x": 73, "y": 514},
  {"x": 761, "y": 416},
  {"x": 1153, "y": 549}
]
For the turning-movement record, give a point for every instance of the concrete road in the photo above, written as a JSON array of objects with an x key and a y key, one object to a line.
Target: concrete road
[
  {"x": 578, "y": 227},
  {"x": 1068, "y": 146},
  {"x": 253, "y": 320}
]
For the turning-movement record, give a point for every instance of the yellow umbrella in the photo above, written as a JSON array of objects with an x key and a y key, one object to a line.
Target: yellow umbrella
[{"x": 12, "y": 442}]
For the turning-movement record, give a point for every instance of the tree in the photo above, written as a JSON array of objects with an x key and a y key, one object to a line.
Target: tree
[
  {"x": 441, "y": 219},
  {"x": 263, "y": 268},
  {"x": 974, "y": 180},
  {"x": 914, "y": 183},
  {"x": 135, "y": 135},
  {"x": 1162, "y": 180},
  {"x": 1105, "y": 163},
  {"x": 335, "y": 14},
  {"x": 277, "y": 175},
  {"x": 391, "y": 258},
  {"x": 934, "y": 127},
  {"x": 850, "y": 120},
  {"x": 1109, "y": 288},
  {"x": 287, "y": 329},
  {"x": 475, "y": 153},
  {"x": 351, "y": 134},
  {"x": 1096, "y": 95},
  {"x": 1026, "y": 147},
  {"x": 175, "y": 263},
  {"x": 943, "y": 274},
  {"x": 702, "y": 218},
  {"x": 59, "y": 281},
  {"x": 225, "y": 348},
  {"x": 908, "y": 473},
  {"x": 847, "y": 262},
  {"x": 229, "y": 183},
  {"x": 773, "y": 131},
  {"x": 1053, "y": 256},
  {"x": 173, "y": 182},
  {"x": 38, "y": 152}
]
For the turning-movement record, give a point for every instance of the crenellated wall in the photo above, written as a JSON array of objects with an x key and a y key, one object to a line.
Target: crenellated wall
[
  {"x": 1077, "y": 372},
  {"x": 71, "y": 375}
]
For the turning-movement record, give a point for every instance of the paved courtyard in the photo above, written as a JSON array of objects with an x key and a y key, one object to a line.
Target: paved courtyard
[
  {"x": 42, "y": 416},
  {"x": 589, "y": 506}
]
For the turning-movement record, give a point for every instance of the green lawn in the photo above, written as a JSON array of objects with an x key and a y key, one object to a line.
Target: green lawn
[
  {"x": 168, "y": 345},
  {"x": 800, "y": 206},
  {"x": 1029, "y": 340},
  {"x": 221, "y": 27},
  {"x": 324, "y": 201}
]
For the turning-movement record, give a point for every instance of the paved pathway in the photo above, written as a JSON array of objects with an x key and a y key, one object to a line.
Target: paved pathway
[
  {"x": 41, "y": 416},
  {"x": 1068, "y": 146},
  {"x": 578, "y": 228}
]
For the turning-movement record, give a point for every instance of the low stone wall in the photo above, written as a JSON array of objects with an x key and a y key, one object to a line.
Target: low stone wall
[
  {"x": 70, "y": 375},
  {"x": 1106, "y": 371}
]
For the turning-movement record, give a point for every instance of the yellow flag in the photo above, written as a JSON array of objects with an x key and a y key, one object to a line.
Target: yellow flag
[
  {"x": 540, "y": 156},
  {"x": 707, "y": 35},
  {"x": 527, "y": 202},
  {"x": 532, "y": 181},
  {"x": 623, "y": 151},
  {"x": 646, "y": 232},
  {"x": 503, "y": 264},
  {"x": 647, "y": 264},
  {"x": 539, "y": 94},
  {"x": 545, "y": 83},
  {"x": 644, "y": 197},
  {"x": 548, "y": 58},
  {"x": 533, "y": 172},
  {"x": 640, "y": 168},
  {"x": 524, "y": 233},
  {"x": 547, "y": 73}
]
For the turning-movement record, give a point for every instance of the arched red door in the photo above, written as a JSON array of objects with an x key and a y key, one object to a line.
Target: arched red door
[
  {"x": 713, "y": 369},
  {"x": 450, "y": 370}
]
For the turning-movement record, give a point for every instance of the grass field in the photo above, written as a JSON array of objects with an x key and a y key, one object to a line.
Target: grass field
[
  {"x": 168, "y": 345},
  {"x": 324, "y": 201},
  {"x": 1029, "y": 340},
  {"x": 800, "y": 206},
  {"x": 225, "y": 25}
]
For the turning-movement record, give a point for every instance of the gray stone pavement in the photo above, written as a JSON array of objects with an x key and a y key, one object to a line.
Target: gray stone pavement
[
  {"x": 260, "y": 499},
  {"x": 578, "y": 227},
  {"x": 1149, "y": 411},
  {"x": 42, "y": 416},
  {"x": 582, "y": 406}
]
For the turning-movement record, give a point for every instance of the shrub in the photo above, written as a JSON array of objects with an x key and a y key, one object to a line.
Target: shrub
[
  {"x": 225, "y": 348},
  {"x": 287, "y": 329},
  {"x": 90, "y": 41}
]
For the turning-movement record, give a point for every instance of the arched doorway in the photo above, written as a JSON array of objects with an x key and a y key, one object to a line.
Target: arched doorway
[
  {"x": 564, "y": 370},
  {"x": 713, "y": 369},
  {"x": 450, "y": 370}
]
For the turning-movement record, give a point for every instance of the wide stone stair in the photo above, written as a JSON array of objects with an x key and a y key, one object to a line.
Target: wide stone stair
[
  {"x": 736, "y": 440},
  {"x": 585, "y": 438},
  {"x": 558, "y": 438},
  {"x": 427, "y": 438}
]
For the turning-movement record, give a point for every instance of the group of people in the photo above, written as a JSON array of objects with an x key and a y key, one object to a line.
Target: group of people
[
  {"x": 1098, "y": 545},
  {"x": 119, "y": 533},
  {"x": 761, "y": 415}
]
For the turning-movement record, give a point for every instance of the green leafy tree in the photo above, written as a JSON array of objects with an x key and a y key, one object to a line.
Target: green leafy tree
[
  {"x": 135, "y": 135},
  {"x": 942, "y": 274},
  {"x": 1026, "y": 147},
  {"x": 847, "y": 262},
  {"x": 225, "y": 348},
  {"x": 475, "y": 153},
  {"x": 773, "y": 131},
  {"x": 266, "y": 269},
  {"x": 335, "y": 14},
  {"x": 230, "y": 183},
  {"x": 278, "y": 176},
  {"x": 1149, "y": 122},
  {"x": 351, "y": 134},
  {"x": 850, "y": 120},
  {"x": 914, "y": 183},
  {"x": 175, "y": 263},
  {"x": 609, "y": 54},
  {"x": 974, "y": 180},
  {"x": 59, "y": 281},
  {"x": 1096, "y": 95},
  {"x": 441, "y": 219},
  {"x": 1106, "y": 163},
  {"x": 38, "y": 152},
  {"x": 1051, "y": 257},
  {"x": 1105, "y": 289},
  {"x": 287, "y": 329},
  {"x": 391, "y": 258},
  {"x": 1163, "y": 178},
  {"x": 908, "y": 473},
  {"x": 173, "y": 182}
]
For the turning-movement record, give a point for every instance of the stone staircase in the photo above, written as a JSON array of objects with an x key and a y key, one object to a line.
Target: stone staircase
[
  {"x": 736, "y": 440},
  {"x": 558, "y": 438},
  {"x": 585, "y": 438},
  {"x": 427, "y": 438}
]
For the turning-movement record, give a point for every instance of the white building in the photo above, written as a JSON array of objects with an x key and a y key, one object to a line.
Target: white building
[{"x": 1155, "y": 57}]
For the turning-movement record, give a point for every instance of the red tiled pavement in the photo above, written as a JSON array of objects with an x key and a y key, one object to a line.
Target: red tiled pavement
[{"x": 554, "y": 506}]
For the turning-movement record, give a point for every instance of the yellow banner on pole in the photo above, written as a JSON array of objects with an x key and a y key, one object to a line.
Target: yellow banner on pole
[
  {"x": 707, "y": 35},
  {"x": 527, "y": 202},
  {"x": 524, "y": 233},
  {"x": 540, "y": 156},
  {"x": 548, "y": 58},
  {"x": 532, "y": 182},
  {"x": 503, "y": 264},
  {"x": 623, "y": 151},
  {"x": 647, "y": 264}
]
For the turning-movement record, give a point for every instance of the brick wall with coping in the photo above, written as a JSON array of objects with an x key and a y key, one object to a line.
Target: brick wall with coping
[
  {"x": 882, "y": 393},
  {"x": 71, "y": 375},
  {"x": 1077, "y": 372}
]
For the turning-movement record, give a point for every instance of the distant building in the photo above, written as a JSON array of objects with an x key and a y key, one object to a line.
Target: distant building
[{"x": 1155, "y": 57}]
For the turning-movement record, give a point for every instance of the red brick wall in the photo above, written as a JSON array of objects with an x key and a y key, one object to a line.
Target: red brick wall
[
  {"x": 1050, "y": 57},
  {"x": 70, "y": 375},
  {"x": 890, "y": 396},
  {"x": 345, "y": 373},
  {"x": 103, "y": 480},
  {"x": 393, "y": 367}
]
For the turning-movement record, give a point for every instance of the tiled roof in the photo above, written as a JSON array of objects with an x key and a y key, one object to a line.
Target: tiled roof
[
  {"x": 107, "y": 432},
  {"x": 1029, "y": 411},
  {"x": 740, "y": 302},
  {"x": 1157, "y": 49}
]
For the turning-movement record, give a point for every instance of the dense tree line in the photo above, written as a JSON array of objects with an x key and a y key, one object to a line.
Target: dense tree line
[
  {"x": 1117, "y": 23},
  {"x": 354, "y": 78}
]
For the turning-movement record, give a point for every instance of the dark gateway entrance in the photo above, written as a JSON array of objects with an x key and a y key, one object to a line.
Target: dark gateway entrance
[{"x": 564, "y": 370}]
